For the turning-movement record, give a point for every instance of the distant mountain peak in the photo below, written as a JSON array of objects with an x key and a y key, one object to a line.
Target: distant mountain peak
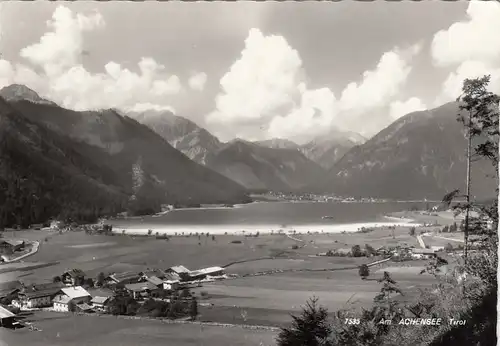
[
  {"x": 278, "y": 143},
  {"x": 20, "y": 92}
]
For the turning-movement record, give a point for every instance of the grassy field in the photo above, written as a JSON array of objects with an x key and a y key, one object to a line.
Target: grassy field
[
  {"x": 258, "y": 300},
  {"x": 67, "y": 330},
  {"x": 94, "y": 253}
]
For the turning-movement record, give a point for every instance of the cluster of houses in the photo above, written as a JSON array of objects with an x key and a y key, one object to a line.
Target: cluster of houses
[
  {"x": 397, "y": 253},
  {"x": 68, "y": 292}
]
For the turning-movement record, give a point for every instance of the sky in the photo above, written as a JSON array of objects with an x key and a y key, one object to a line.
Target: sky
[{"x": 254, "y": 70}]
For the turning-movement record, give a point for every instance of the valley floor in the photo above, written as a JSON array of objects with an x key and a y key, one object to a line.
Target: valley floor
[{"x": 276, "y": 275}]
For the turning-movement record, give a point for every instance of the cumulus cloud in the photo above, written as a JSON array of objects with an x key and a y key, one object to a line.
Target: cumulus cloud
[
  {"x": 65, "y": 80},
  {"x": 473, "y": 46},
  {"x": 452, "y": 86},
  {"x": 262, "y": 80},
  {"x": 197, "y": 81},
  {"x": 474, "y": 39},
  {"x": 397, "y": 109},
  {"x": 265, "y": 88},
  {"x": 381, "y": 84},
  {"x": 314, "y": 114}
]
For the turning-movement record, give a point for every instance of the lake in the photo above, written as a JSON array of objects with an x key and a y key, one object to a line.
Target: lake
[{"x": 267, "y": 216}]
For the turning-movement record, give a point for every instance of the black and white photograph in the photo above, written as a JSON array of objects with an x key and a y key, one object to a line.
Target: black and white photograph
[{"x": 249, "y": 173}]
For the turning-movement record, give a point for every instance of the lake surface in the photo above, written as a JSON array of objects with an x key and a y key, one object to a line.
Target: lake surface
[{"x": 263, "y": 215}]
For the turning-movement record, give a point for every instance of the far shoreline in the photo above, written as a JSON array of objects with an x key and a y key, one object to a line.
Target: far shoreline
[{"x": 245, "y": 230}]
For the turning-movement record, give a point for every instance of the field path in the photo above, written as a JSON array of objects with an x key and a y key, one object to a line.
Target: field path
[
  {"x": 421, "y": 241},
  {"x": 453, "y": 239}
]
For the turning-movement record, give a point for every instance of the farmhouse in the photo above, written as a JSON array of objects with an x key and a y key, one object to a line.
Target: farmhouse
[
  {"x": 153, "y": 272},
  {"x": 204, "y": 273},
  {"x": 123, "y": 278},
  {"x": 7, "y": 318},
  {"x": 37, "y": 296},
  {"x": 422, "y": 253},
  {"x": 181, "y": 271},
  {"x": 100, "y": 303},
  {"x": 11, "y": 245},
  {"x": 73, "y": 277},
  {"x": 76, "y": 295},
  {"x": 142, "y": 289},
  {"x": 9, "y": 289}
]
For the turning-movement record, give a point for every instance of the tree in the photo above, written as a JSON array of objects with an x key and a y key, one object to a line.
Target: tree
[
  {"x": 71, "y": 306},
  {"x": 193, "y": 308},
  {"x": 56, "y": 279},
  {"x": 100, "y": 279},
  {"x": 412, "y": 231},
  {"x": 150, "y": 231},
  {"x": 310, "y": 328},
  {"x": 479, "y": 113},
  {"x": 356, "y": 251},
  {"x": 364, "y": 271},
  {"x": 370, "y": 250},
  {"x": 89, "y": 282},
  {"x": 448, "y": 247}
]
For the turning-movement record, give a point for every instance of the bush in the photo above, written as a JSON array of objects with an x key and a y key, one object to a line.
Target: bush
[
  {"x": 364, "y": 271},
  {"x": 356, "y": 251}
]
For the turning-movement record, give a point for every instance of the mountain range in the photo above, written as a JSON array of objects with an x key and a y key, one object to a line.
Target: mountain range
[
  {"x": 277, "y": 165},
  {"x": 54, "y": 160},
  {"x": 421, "y": 155},
  {"x": 79, "y": 156}
]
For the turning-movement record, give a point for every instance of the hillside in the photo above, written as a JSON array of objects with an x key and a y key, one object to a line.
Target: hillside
[
  {"x": 421, "y": 155},
  {"x": 326, "y": 150},
  {"x": 44, "y": 174},
  {"x": 257, "y": 167},
  {"x": 254, "y": 166},
  {"x": 141, "y": 161},
  {"x": 183, "y": 134}
]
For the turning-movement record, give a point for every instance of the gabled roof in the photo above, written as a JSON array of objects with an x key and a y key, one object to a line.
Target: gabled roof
[
  {"x": 42, "y": 290},
  {"x": 8, "y": 287},
  {"x": 141, "y": 286},
  {"x": 5, "y": 313},
  {"x": 12, "y": 242},
  {"x": 206, "y": 271},
  {"x": 84, "y": 307},
  {"x": 180, "y": 269},
  {"x": 172, "y": 277},
  {"x": 100, "y": 300},
  {"x": 153, "y": 272},
  {"x": 155, "y": 280},
  {"x": 74, "y": 273},
  {"x": 119, "y": 277},
  {"x": 75, "y": 292},
  {"x": 62, "y": 299}
]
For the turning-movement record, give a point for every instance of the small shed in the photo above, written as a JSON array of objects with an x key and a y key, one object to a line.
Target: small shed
[
  {"x": 7, "y": 318},
  {"x": 100, "y": 303}
]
